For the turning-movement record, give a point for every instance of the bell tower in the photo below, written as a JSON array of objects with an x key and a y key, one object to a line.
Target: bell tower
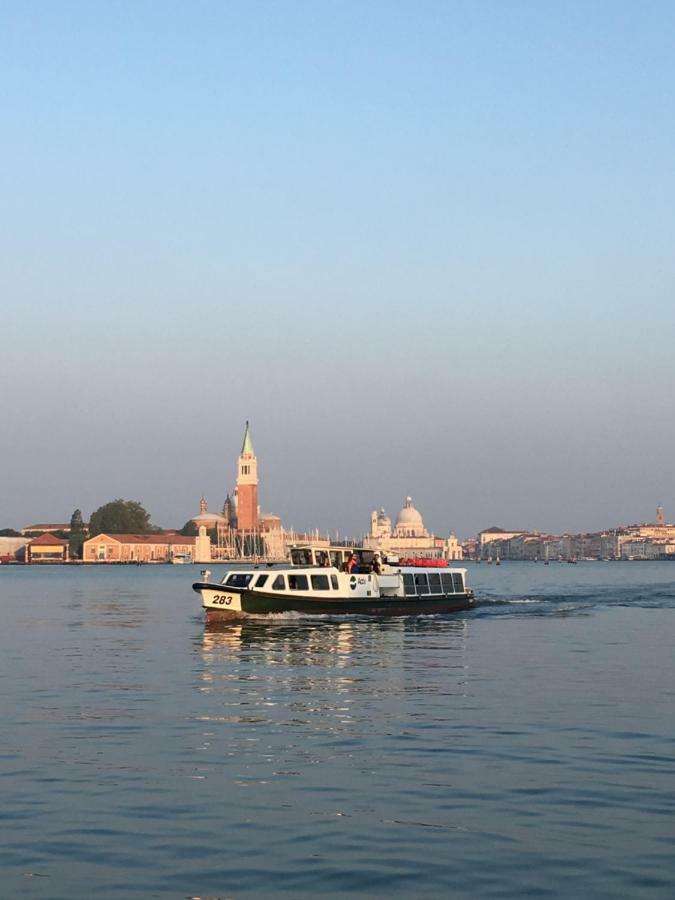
[{"x": 247, "y": 486}]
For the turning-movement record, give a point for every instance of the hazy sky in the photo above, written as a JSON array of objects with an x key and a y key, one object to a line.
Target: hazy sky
[{"x": 426, "y": 248}]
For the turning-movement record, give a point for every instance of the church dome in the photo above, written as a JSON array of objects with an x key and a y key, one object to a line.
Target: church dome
[
  {"x": 205, "y": 518},
  {"x": 210, "y": 520},
  {"x": 409, "y": 517}
]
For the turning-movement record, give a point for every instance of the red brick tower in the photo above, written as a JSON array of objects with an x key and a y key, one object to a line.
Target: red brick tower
[{"x": 247, "y": 486}]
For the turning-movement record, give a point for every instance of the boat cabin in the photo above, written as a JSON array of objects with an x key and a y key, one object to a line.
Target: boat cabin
[
  {"x": 417, "y": 584},
  {"x": 312, "y": 555},
  {"x": 398, "y": 581}
]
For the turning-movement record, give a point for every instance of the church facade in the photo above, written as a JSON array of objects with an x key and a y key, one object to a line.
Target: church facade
[{"x": 409, "y": 538}]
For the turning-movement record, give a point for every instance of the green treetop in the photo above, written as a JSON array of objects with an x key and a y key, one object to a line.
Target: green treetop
[{"x": 120, "y": 517}]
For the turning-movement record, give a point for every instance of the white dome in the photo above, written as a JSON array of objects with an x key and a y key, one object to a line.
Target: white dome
[
  {"x": 208, "y": 517},
  {"x": 409, "y": 517}
]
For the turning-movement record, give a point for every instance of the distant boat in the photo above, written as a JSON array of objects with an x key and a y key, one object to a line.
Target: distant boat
[
  {"x": 497, "y": 562},
  {"x": 180, "y": 559}
]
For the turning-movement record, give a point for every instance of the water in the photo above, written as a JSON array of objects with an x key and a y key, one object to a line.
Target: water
[{"x": 524, "y": 748}]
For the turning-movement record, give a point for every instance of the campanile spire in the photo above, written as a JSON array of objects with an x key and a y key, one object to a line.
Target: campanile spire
[{"x": 247, "y": 485}]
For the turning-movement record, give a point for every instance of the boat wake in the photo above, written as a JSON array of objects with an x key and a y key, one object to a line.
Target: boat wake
[
  {"x": 543, "y": 605},
  {"x": 579, "y": 602}
]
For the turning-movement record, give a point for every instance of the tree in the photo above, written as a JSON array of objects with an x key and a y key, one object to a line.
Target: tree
[
  {"x": 77, "y": 535},
  {"x": 76, "y": 522},
  {"x": 189, "y": 529},
  {"x": 120, "y": 517},
  {"x": 9, "y": 532}
]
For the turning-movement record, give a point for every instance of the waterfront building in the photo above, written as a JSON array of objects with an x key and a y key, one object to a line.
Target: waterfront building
[
  {"x": 409, "y": 538},
  {"x": 146, "y": 548},
  {"x": 517, "y": 545},
  {"x": 646, "y": 548},
  {"x": 275, "y": 538},
  {"x": 659, "y": 530},
  {"x": 650, "y": 540},
  {"x": 12, "y": 548},
  {"x": 470, "y": 548},
  {"x": 46, "y": 528},
  {"x": 492, "y": 535},
  {"x": 47, "y": 548}
]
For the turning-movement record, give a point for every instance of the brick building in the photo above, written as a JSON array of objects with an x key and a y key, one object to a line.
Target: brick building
[{"x": 147, "y": 548}]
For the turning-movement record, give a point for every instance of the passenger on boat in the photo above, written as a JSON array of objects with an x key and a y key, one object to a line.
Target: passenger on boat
[
  {"x": 375, "y": 566},
  {"x": 325, "y": 561},
  {"x": 351, "y": 563}
]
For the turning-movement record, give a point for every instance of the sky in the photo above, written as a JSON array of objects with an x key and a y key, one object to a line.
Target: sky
[{"x": 425, "y": 248}]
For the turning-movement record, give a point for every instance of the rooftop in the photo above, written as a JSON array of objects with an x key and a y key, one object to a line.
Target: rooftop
[
  {"x": 145, "y": 538},
  {"x": 47, "y": 540}
]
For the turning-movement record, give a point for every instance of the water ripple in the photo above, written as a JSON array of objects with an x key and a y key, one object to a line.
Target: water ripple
[{"x": 524, "y": 747}]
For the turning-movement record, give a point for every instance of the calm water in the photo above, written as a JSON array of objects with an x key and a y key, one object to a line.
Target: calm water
[{"x": 524, "y": 748}]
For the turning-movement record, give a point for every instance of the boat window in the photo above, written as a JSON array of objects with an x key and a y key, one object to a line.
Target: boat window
[
  {"x": 446, "y": 578},
  {"x": 434, "y": 583},
  {"x": 320, "y": 582},
  {"x": 458, "y": 582},
  {"x": 279, "y": 583},
  {"x": 238, "y": 579},
  {"x": 260, "y": 580},
  {"x": 301, "y": 556},
  {"x": 409, "y": 585},
  {"x": 422, "y": 583},
  {"x": 297, "y": 582},
  {"x": 335, "y": 558},
  {"x": 334, "y": 582}
]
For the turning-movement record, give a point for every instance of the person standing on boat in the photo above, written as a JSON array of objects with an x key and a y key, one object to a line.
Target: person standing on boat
[
  {"x": 351, "y": 563},
  {"x": 375, "y": 566}
]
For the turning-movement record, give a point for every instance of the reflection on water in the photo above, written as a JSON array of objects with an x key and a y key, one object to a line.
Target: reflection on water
[
  {"x": 306, "y": 640},
  {"x": 328, "y": 674},
  {"x": 519, "y": 749},
  {"x": 338, "y": 653}
]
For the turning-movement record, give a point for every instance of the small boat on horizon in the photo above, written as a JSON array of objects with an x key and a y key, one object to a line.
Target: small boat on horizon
[{"x": 181, "y": 559}]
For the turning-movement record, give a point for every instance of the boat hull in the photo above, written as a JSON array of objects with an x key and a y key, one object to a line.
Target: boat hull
[{"x": 224, "y": 603}]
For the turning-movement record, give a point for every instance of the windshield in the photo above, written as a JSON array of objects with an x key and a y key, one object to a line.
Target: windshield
[
  {"x": 301, "y": 556},
  {"x": 238, "y": 579}
]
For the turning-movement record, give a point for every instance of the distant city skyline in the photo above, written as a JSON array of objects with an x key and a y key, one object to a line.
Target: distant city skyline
[
  {"x": 227, "y": 488},
  {"x": 426, "y": 250}
]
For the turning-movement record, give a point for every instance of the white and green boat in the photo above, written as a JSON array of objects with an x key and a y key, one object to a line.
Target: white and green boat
[{"x": 317, "y": 584}]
